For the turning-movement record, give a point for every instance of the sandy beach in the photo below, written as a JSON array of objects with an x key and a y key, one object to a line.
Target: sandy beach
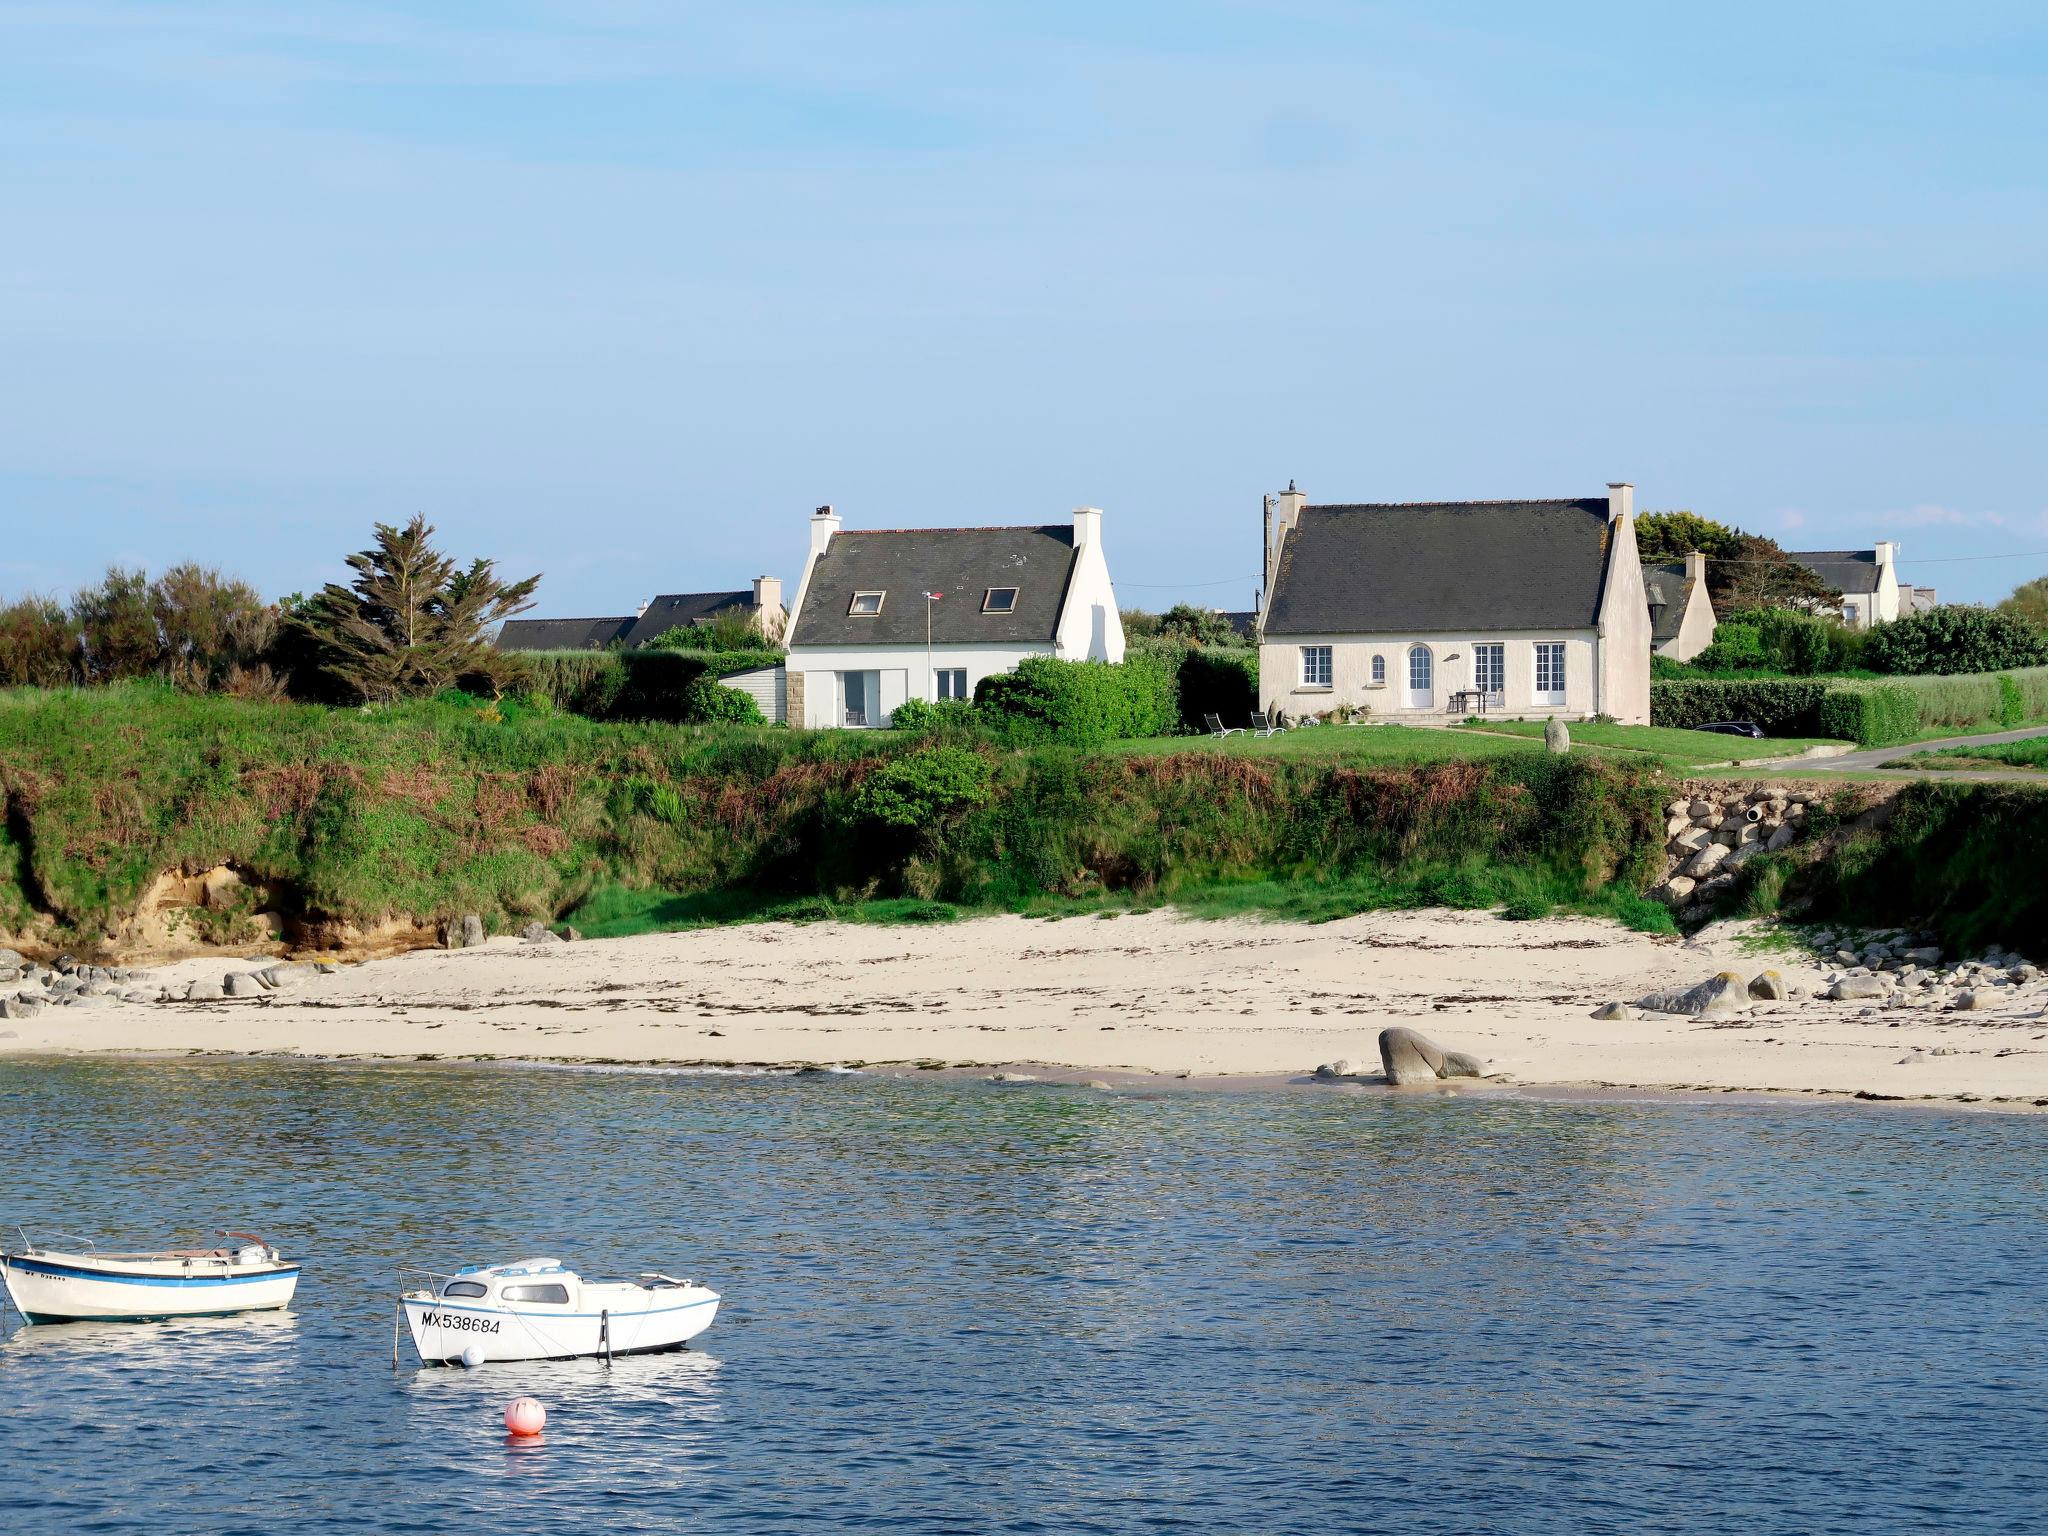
[{"x": 1141, "y": 996}]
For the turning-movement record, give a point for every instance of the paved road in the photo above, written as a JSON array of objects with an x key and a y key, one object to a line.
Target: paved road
[{"x": 1887, "y": 758}]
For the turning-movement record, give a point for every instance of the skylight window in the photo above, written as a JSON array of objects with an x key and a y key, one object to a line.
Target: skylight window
[
  {"x": 865, "y": 605},
  {"x": 1000, "y": 600}
]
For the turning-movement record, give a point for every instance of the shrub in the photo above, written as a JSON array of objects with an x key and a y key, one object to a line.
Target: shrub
[
  {"x": 1953, "y": 639},
  {"x": 922, "y": 789},
  {"x": 1871, "y": 714},
  {"x": 645, "y": 684},
  {"x": 38, "y": 644},
  {"x": 2012, "y": 703},
  {"x": 1080, "y": 703},
  {"x": 710, "y": 701},
  {"x": 947, "y": 717}
]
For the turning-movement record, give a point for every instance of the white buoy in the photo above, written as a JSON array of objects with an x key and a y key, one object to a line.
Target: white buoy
[{"x": 473, "y": 1356}]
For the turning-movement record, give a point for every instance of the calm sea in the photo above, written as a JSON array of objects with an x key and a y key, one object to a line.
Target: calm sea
[{"x": 969, "y": 1307}]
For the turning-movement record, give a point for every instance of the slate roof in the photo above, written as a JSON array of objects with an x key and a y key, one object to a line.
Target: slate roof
[
  {"x": 1846, "y": 570},
  {"x": 562, "y": 634},
  {"x": 1243, "y": 621},
  {"x": 1666, "y": 585},
  {"x": 1431, "y": 566},
  {"x": 672, "y": 610},
  {"x": 961, "y": 563}
]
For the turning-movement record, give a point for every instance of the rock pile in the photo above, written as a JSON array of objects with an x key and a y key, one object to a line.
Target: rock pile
[
  {"x": 1713, "y": 832},
  {"x": 1887, "y": 970},
  {"x": 27, "y": 989}
]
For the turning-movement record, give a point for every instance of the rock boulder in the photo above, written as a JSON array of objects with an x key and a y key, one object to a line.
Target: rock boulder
[
  {"x": 1408, "y": 1056},
  {"x": 1716, "y": 997}
]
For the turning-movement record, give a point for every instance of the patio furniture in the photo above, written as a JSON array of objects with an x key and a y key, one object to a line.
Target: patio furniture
[
  {"x": 1262, "y": 726},
  {"x": 1214, "y": 725}
]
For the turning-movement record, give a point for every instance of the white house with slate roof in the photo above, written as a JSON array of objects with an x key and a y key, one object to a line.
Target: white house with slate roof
[
  {"x": 1868, "y": 580},
  {"x": 865, "y": 635},
  {"x": 1419, "y": 611},
  {"x": 1681, "y": 614}
]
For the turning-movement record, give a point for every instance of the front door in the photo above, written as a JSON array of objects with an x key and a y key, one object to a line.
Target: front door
[
  {"x": 856, "y": 708},
  {"x": 1421, "y": 678}
]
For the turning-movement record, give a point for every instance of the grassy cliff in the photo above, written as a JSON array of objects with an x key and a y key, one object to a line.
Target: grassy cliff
[{"x": 434, "y": 809}]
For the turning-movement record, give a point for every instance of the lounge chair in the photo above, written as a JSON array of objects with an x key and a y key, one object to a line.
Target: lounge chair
[
  {"x": 1261, "y": 727},
  {"x": 1214, "y": 725}
]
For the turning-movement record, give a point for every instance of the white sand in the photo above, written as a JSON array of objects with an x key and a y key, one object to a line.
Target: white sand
[{"x": 1153, "y": 994}]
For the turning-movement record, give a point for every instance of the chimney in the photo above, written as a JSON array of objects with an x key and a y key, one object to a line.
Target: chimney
[
  {"x": 1087, "y": 526},
  {"x": 1621, "y": 500},
  {"x": 1283, "y": 511},
  {"x": 1696, "y": 567},
  {"x": 1887, "y": 553},
  {"x": 641, "y": 611},
  {"x": 767, "y": 592},
  {"x": 824, "y": 523}
]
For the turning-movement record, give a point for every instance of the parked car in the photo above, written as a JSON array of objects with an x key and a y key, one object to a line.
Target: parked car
[{"x": 1747, "y": 728}]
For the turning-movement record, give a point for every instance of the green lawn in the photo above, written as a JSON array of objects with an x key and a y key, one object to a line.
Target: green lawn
[
  {"x": 2011, "y": 754},
  {"x": 1342, "y": 743},
  {"x": 1678, "y": 747}
]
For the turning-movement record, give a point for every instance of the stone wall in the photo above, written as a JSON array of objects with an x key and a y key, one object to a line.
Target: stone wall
[{"x": 1718, "y": 826}]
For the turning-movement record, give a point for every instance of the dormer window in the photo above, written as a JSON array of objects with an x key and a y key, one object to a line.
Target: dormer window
[
  {"x": 865, "y": 605},
  {"x": 1000, "y": 600}
]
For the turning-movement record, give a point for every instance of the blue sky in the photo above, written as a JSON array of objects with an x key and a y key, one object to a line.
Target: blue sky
[{"x": 618, "y": 290}]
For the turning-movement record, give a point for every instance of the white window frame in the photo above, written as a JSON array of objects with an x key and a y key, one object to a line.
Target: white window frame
[
  {"x": 1545, "y": 653},
  {"x": 988, "y": 600},
  {"x": 1379, "y": 669},
  {"x": 1317, "y": 659},
  {"x": 855, "y": 611},
  {"x": 940, "y": 679},
  {"x": 1495, "y": 687}
]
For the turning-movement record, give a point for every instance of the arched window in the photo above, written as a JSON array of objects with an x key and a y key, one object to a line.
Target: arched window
[{"x": 1379, "y": 669}]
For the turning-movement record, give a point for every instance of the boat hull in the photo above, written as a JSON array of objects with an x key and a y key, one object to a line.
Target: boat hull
[
  {"x": 48, "y": 1290},
  {"x": 647, "y": 1322}
]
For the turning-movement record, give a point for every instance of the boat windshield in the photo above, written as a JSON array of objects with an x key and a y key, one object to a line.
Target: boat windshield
[
  {"x": 558, "y": 1294},
  {"x": 464, "y": 1288}
]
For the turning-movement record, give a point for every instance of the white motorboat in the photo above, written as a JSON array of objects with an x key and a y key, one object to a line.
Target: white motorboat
[
  {"x": 80, "y": 1284},
  {"x": 537, "y": 1309}
]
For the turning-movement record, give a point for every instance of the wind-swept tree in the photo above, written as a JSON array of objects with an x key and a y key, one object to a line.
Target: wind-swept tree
[
  {"x": 1761, "y": 575},
  {"x": 412, "y": 622}
]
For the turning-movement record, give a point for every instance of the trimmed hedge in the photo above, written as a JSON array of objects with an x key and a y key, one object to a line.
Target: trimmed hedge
[
  {"x": 641, "y": 685},
  {"x": 1875, "y": 713},
  {"x": 1079, "y": 703},
  {"x": 1782, "y": 706}
]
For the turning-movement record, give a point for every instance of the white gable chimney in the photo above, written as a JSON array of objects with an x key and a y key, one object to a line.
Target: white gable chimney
[
  {"x": 1087, "y": 526},
  {"x": 824, "y": 523},
  {"x": 767, "y": 592},
  {"x": 1283, "y": 511},
  {"x": 1887, "y": 553},
  {"x": 1621, "y": 500},
  {"x": 1696, "y": 567}
]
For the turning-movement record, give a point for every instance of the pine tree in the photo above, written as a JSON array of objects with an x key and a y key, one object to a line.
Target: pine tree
[{"x": 411, "y": 623}]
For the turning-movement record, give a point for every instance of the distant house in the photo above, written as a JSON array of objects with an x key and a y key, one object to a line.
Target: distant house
[
  {"x": 672, "y": 610},
  {"x": 1868, "y": 580},
  {"x": 1921, "y": 599},
  {"x": 1243, "y": 622},
  {"x": 1423, "y": 611},
  {"x": 886, "y": 615},
  {"x": 1681, "y": 613}
]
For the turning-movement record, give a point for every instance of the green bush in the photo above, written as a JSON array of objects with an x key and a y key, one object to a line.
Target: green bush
[
  {"x": 712, "y": 702},
  {"x": 1871, "y": 714},
  {"x": 949, "y": 718},
  {"x": 2012, "y": 702},
  {"x": 1782, "y": 706},
  {"x": 1953, "y": 639},
  {"x": 922, "y": 789},
  {"x": 656, "y": 685},
  {"x": 1080, "y": 703}
]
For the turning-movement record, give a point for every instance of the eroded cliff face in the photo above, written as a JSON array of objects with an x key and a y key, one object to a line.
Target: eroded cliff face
[
  {"x": 1714, "y": 828},
  {"x": 224, "y": 910}
]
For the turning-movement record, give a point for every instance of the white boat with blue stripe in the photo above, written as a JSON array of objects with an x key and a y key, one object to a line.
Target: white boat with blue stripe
[
  {"x": 77, "y": 1283},
  {"x": 537, "y": 1309}
]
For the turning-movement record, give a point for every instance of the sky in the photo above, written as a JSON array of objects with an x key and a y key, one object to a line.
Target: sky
[{"x": 618, "y": 291}]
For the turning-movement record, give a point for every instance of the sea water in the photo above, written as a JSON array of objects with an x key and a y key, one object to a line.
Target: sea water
[{"x": 964, "y": 1307}]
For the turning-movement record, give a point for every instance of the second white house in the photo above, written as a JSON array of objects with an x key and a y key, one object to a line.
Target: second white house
[{"x": 885, "y": 615}]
